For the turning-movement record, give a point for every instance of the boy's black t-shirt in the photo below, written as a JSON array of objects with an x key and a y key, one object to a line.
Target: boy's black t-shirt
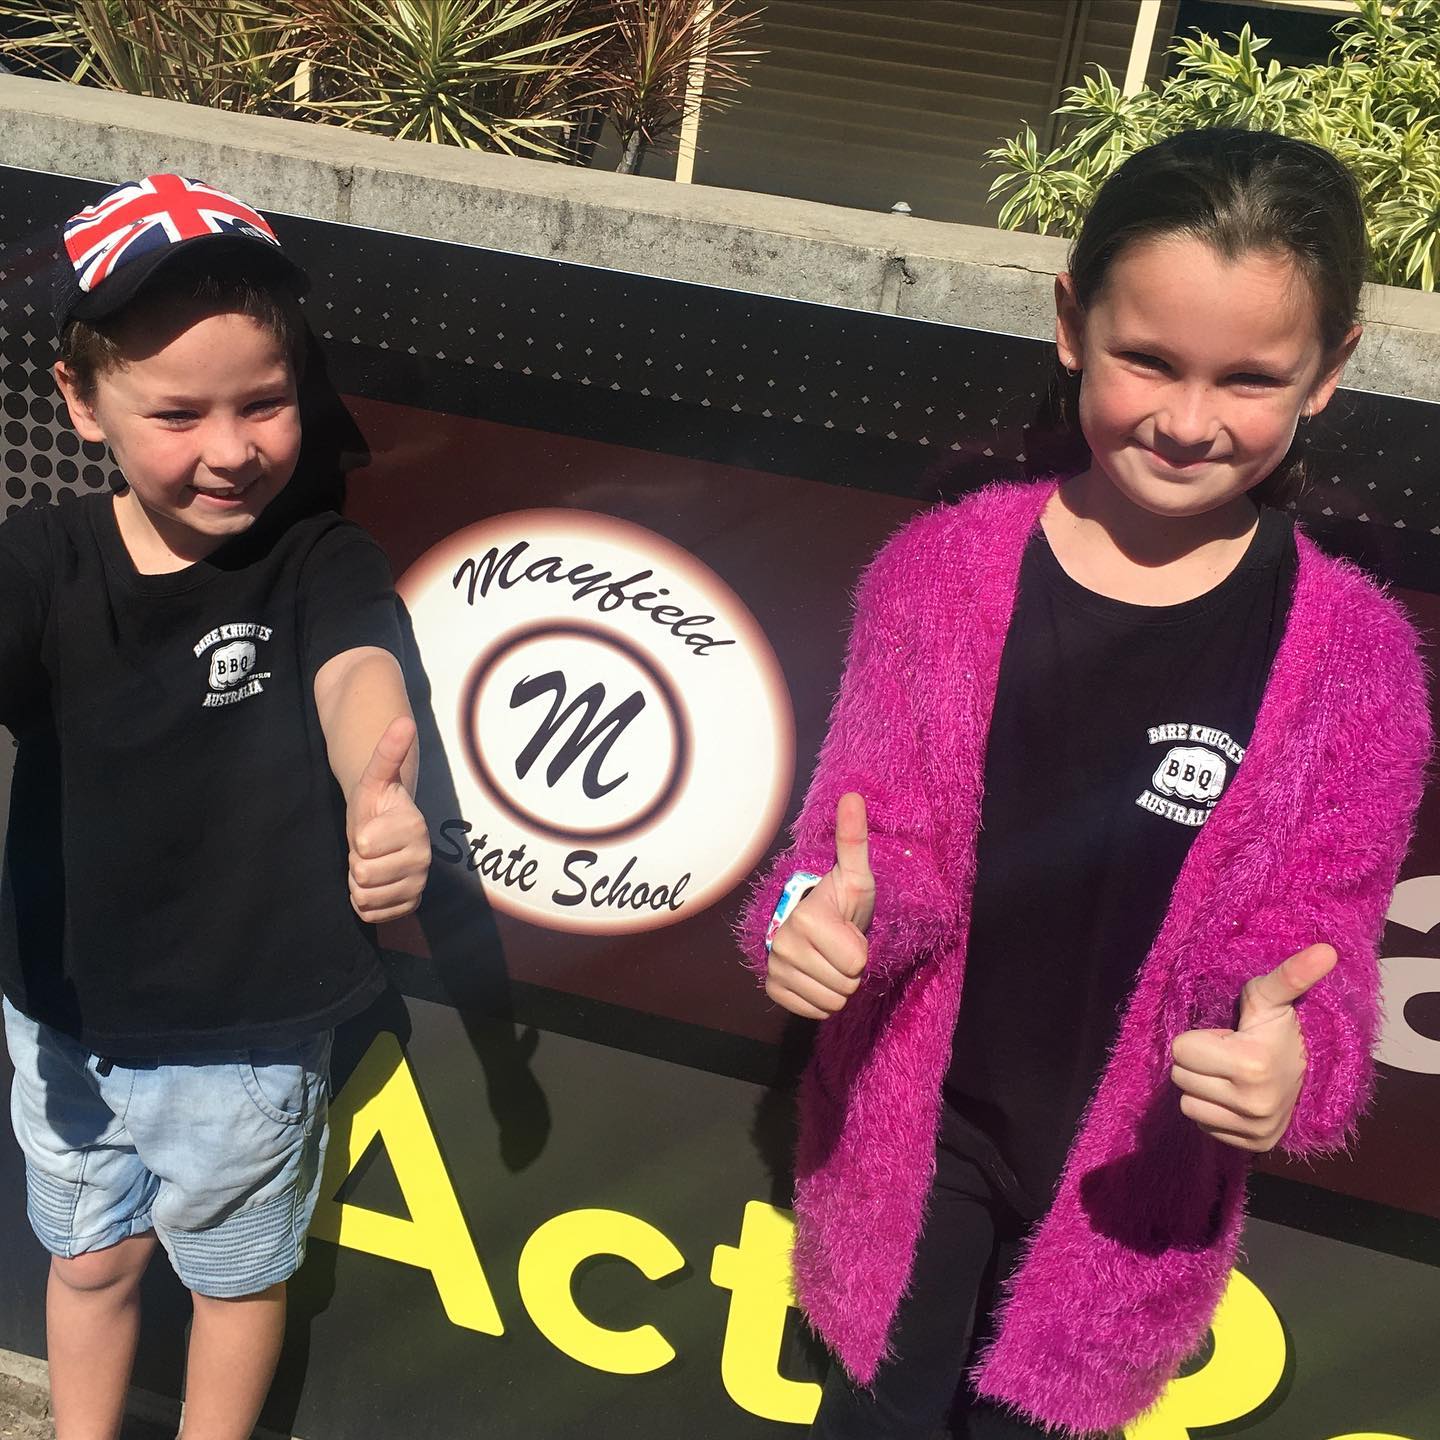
[
  {"x": 175, "y": 872},
  {"x": 1116, "y": 729}
]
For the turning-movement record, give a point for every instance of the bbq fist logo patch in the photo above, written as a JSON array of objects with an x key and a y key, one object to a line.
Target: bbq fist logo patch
[
  {"x": 233, "y": 673},
  {"x": 231, "y": 663},
  {"x": 618, "y": 731},
  {"x": 1191, "y": 777},
  {"x": 1191, "y": 773}
]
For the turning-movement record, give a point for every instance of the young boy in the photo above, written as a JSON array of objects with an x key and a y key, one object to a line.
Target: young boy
[{"x": 212, "y": 728}]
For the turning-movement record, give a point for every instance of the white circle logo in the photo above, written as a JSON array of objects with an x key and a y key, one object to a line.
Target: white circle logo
[{"x": 619, "y": 733}]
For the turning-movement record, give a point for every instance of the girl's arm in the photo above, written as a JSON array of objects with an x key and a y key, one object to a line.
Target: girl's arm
[
  {"x": 1346, "y": 860},
  {"x": 873, "y": 747}
]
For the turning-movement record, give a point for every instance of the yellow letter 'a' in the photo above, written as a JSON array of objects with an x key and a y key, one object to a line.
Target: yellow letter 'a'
[{"x": 380, "y": 1098}]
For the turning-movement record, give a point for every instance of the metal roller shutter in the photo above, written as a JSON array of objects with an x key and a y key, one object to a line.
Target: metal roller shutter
[{"x": 866, "y": 102}]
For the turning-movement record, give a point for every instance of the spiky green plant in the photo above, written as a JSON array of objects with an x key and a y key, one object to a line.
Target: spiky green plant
[
  {"x": 504, "y": 75},
  {"x": 534, "y": 77},
  {"x": 1376, "y": 104},
  {"x": 643, "y": 68},
  {"x": 232, "y": 54}
]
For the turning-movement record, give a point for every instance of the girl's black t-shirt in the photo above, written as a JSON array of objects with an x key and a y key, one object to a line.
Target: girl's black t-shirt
[
  {"x": 175, "y": 868},
  {"x": 1116, "y": 730}
]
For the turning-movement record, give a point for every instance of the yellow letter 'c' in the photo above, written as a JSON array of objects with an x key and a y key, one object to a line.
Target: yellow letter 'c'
[{"x": 547, "y": 1267}]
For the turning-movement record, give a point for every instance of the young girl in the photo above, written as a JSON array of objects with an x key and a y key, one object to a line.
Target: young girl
[{"x": 1074, "y": 960}]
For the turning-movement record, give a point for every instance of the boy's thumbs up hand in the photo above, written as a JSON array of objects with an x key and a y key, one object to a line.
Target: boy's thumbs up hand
[
  {"x": 389, "y": 844},
  {"x": 819, "y": 954},
  {"x": 1241, "y": 1085}
]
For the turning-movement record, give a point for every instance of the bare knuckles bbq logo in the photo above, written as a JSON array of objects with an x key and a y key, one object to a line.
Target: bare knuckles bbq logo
[
  {"x": 232, "y": 662},
  {"x": 1191, "y": 776},
  {"x": 619, "y": 731}
]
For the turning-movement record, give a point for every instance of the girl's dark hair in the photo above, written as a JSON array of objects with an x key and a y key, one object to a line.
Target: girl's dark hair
[
  {"x": 227, "y": 282},
  {"x": 1239, "y": 191}
]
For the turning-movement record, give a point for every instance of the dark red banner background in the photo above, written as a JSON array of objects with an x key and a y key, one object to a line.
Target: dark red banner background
[{"x": 792, "y": 549}]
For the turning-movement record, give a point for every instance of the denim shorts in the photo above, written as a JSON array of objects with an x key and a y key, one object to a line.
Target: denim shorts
[{"x": 219, "y": 1153}]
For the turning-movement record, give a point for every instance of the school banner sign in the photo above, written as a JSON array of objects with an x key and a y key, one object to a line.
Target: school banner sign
[{"x": 625, "y": 518}]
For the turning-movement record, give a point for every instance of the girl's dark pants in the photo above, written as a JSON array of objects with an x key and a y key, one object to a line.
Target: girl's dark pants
[{"x": 969, "y": 1243}]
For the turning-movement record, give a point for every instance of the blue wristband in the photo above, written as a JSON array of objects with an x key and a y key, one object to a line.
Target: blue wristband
[{"x": 797, "y": 887}]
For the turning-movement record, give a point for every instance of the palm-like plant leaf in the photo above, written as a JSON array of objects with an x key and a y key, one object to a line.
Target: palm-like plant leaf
[{"x": 522, "y": 76}]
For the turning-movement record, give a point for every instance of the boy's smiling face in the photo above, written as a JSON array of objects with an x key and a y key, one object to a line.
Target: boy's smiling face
[{"x": 203, "y": 420}]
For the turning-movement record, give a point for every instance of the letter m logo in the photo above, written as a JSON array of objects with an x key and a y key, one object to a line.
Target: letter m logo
[{"x": 589, "y": 731}]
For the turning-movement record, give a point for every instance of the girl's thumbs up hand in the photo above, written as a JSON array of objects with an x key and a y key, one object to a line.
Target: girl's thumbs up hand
[
  {"x": 1241, "y": 1085},
  {"x": 819, "y": 953}
]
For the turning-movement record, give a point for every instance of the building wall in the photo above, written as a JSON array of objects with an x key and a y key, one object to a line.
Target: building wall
[
  {"x": 868, "y": 102},
  {"x": 1104, "y": 31}
]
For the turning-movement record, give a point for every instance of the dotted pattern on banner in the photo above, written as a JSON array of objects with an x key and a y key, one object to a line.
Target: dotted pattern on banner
[
  {"x": 1377, "y": 461},
  {"x": 44, "y": 459},
  {"x": 966, "y": 395},
  {"x": 722, "y": 351}
]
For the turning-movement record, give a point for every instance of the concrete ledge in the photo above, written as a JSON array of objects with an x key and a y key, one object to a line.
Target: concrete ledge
[{"x": 924, "y": 269}]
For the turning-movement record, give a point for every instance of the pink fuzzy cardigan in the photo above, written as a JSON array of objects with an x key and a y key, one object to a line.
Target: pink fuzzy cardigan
[{"x": 1121, "y": 1277}]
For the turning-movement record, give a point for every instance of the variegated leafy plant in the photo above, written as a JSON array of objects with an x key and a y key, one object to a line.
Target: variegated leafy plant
[{"x": 1376, "y": 104}]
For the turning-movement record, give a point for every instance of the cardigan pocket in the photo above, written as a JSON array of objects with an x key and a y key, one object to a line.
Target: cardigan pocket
[{"x": 1176, "y": 1188}]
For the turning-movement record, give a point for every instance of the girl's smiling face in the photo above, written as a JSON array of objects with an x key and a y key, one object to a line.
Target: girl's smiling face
[{"x": 1196, "y": 370}]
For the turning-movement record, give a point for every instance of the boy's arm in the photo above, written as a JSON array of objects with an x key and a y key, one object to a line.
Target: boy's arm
[{"x": 370, "y": 741}]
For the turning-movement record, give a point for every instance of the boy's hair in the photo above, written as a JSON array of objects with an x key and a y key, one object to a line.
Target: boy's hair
[
  {"x": 223, "y": 281},
  {"x": 1239, "y": 191}
]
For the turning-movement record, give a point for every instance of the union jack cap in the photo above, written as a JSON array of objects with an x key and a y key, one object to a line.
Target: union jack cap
[{"x": 111, "y": 248}]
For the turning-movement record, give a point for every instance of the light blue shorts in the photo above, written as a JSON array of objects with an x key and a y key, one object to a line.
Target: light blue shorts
[{"x": 219, "y": 1153}]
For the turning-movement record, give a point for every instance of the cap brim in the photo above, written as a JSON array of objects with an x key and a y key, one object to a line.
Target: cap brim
[{"x": 127, "y": 282}]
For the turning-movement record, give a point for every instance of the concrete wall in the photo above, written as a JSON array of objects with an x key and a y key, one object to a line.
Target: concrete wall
[{"x": 925, "y": 269}]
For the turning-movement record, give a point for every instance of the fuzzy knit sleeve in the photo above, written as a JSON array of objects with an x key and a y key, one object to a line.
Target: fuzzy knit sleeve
[
  {"x": 874, "y": 746},
  {"x": 1343, "y": 855},
  {"x": 1358, "y": 835}
]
